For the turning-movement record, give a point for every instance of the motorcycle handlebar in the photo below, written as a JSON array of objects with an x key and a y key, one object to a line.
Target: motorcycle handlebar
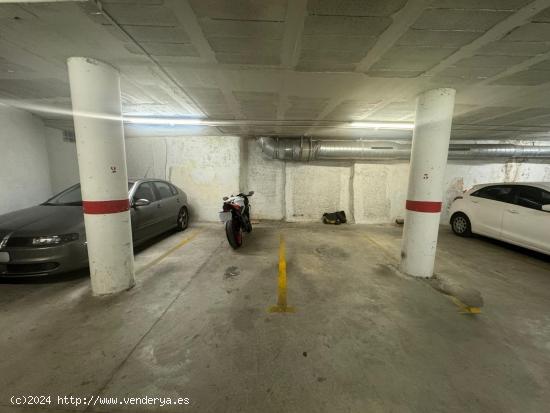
[{"x": 225, "y": 198}]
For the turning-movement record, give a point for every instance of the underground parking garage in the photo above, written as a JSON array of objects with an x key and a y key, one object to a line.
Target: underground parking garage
[{"x": 279, "y": 205}]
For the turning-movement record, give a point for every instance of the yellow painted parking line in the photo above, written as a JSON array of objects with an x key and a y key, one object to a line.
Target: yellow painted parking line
[
  {"x": 170, "y": 251},
  {"x": 385, "y": 251},
  {"x": 465, "y": 309},
  {"x": 282, "y": 306}
]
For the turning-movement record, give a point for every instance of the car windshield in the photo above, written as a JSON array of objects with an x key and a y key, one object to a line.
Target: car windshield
[{"x": 71, "y": 196}]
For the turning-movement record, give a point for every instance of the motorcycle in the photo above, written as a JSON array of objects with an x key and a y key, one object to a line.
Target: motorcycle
[{"x": 236, "y": 218}]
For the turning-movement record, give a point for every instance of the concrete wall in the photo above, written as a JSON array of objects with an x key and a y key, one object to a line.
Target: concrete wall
[
  {"x": 24, "y": 175},
  {"x": 369, "y": 192},
  {"x": 63, "y": 160},
  {"x": 205, "y": 167},
  {"x": 312, "y": 190},
  {"x": 209, "y": 167},
  {"x": 379, "y": 192},
  {"x": 267, "y": 179}
]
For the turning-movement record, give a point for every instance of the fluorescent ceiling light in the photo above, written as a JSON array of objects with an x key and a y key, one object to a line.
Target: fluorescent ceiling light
[
  {"x": 164, "y": 121},
  {"x": 382, "y": 125},
  {"x": 214, "y": 122},
  {"x": 195, "y": 121}
]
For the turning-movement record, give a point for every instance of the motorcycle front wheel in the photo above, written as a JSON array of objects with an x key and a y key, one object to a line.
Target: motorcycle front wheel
[{"x": 234, "y": 234}]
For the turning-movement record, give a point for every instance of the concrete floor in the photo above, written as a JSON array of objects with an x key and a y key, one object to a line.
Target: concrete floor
[{"x": 363, "y": 338}]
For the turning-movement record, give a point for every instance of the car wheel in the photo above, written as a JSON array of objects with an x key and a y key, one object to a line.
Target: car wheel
[
  {"x": 461, "y": 225},
  {"x": 183, "y": 219}
]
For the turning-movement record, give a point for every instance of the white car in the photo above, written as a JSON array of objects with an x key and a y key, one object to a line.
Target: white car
[{"x": 518, "y": 213}]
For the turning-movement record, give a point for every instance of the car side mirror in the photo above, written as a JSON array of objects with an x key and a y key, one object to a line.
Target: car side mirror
[
  {"x": 141, "y": 202},
  {"x": 546, "y": 208},
  {"x": 250, "y": 193}
]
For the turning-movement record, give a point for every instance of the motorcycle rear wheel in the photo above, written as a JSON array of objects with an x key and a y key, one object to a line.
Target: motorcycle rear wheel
[{"x": 234, "y": 234}]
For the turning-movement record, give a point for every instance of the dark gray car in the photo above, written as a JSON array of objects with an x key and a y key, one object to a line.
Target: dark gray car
[{"x": 50, "y": 238}]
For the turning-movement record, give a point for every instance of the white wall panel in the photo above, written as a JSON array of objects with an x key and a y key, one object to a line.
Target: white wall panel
[
  {"x": 25, "y": 174},
  {"x": 205, "y": 167},
  {"x": 312, "y": 190},
  {"x": 62, "y": 159}
]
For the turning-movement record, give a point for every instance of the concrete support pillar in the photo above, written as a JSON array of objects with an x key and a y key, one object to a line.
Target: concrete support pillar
[
  {"x": 430, "y": 147},
  {"x": 95, "y": 95}
]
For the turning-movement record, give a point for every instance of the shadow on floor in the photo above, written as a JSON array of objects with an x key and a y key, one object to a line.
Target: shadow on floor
[
  {"x": 150, "y": 242},
  {"x": 47, "y": 279},
  {"x": 74, "y": 275},
  {"x": 520, "y": 250}
]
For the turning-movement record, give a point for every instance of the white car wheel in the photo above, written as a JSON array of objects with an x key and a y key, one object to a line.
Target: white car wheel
[{"x": 460, "y": 225}]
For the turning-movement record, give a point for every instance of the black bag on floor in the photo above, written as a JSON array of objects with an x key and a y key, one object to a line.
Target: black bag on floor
[{"x": 335, "y": 218}]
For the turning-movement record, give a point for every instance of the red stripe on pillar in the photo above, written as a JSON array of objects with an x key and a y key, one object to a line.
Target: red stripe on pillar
[
  {"x": 423, "y": 206},
  {"x": 105, "y": 207}
]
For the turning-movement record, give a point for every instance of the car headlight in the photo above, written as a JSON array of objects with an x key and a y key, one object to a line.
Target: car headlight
[{"x": 54, "y": 239}]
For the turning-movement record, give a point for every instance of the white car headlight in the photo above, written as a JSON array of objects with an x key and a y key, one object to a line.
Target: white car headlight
[
  {"x": 46, "y": 240},
  {"x": 53, "y": 239}
]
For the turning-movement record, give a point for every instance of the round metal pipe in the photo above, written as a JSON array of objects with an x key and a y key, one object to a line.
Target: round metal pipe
[{"x": 308, "y": 149}]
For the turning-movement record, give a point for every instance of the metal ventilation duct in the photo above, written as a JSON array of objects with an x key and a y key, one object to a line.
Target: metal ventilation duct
[{"x": 308, "y": 149}]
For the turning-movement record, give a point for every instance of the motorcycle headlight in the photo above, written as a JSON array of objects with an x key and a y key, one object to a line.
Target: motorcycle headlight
[{"x": 54, "y": 239}]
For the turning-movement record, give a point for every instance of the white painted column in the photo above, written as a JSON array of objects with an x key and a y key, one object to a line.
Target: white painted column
[
  {"x": 430, "y": 147},
  {"x": 95, "y": 95}
]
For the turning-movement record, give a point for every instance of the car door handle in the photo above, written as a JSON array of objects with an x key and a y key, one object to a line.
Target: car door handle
[
  {"x": 513, "y": 211},
  {"x": 158, "y": 205},
  {"x": 475, "y": 202}
]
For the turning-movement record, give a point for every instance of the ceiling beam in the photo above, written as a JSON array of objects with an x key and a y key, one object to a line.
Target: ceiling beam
[
  {"x": 14, "y": 49},
  {"x": 488, "y": 119},
  {"x": 517, "y": 68},
  {"x": 498, "y": 31},
  {"x": 292, "y": 39},
  {"x": 402, "y": 20},
  {"x": 186, "y": 16},
  {"x": 178, "y": 93},
  {"x": 344, "y": 93},
  {"x": 291, "y": 48},
  {"x": 227, "y": 92}
]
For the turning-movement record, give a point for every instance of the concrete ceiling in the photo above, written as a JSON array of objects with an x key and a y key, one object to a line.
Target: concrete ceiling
[{"x": 288, "y": 60}]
